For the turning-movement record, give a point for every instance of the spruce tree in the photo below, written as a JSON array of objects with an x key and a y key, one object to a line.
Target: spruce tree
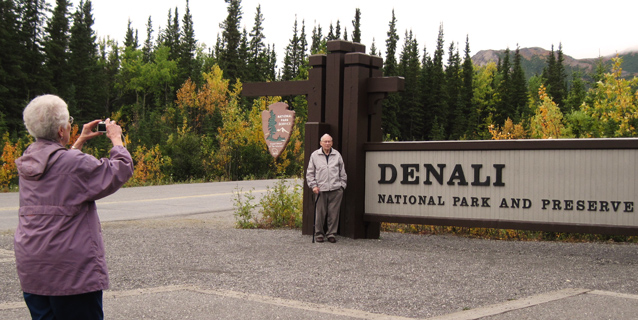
[
  {"x": 453, "y": 88},
  {"x": 171, "y": 36},
  {"x": 331, "y": 34},
  {"x": 258, "y": 57},
  {"x": 599, "y": 70},
  {"x": 518, "y": 90},
  {"x": 548, "y": 71},
  {"x": 560, "y": 88},
  {"x": 389, "y": 120},
  {"x": 434, "y": 93},
  {"x": 438, "y": 131},
  {"x": 56, "y": 48},
  {"x": 465, "y": 112},
  {"x": 11, "y": 75},
  {"x": 318, "y": 44},
  {"x": 504, "y": 108},
  {"x": 188, "y": 66},
  {"x": 109, "y": 62},
  {"x": 424, "y": 84},
  {"x": 288, "y": 72},
  {"x": 410, "y": 116},
  {"x": 293, "y": 55},
  {"x": 31, "y": 35},
  {"x": 303, "y": 44},
  {"x": 554, "y": 77},
  {"x": 356, "y": 23},
  {"x": 228, "y": 57},
  {"x": 131, "y": 40},
  {"x": 85, "y": 101},
  {"x": 242, "y": 71},
  {"x": 373, "y": 49},
  {"x": 148, "y": 44},
  {"x": 272, "y": 63},
  {"x": 390, "y": 64},
  {"x": 577, "y": 93}
]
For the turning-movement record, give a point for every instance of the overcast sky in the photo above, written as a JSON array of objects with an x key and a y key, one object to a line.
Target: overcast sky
[{"x": 586, "y": 29}]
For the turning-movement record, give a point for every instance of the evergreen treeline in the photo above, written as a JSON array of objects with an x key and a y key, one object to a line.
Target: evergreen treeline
[
  {"x": 184, "y": 117},
  {"x": 447, "y": 97}
]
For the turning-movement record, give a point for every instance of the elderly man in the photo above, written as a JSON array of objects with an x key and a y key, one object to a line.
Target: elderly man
[{"x": 326, "y": 175}]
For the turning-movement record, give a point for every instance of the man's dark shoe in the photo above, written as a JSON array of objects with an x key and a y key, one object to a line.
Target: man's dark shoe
[
  {"x": 332, "y": 239},
  {"x": 319, "y": 239}
]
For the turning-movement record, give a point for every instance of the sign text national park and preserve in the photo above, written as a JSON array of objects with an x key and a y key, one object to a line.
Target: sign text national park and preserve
[{"x": 534, "y": 183}]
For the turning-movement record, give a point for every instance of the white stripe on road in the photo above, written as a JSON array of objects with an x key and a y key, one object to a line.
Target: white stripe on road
[
  {"x": 335, "y": 311},
  {"x": 499, "y": 308},
  {"x": 177, "y": 198},
  {"x": 158, "y": 199},
  {"x": 241, "y": 296},
  {"x": 307, "y": 306}
]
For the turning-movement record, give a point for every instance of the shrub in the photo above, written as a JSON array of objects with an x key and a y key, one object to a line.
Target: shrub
[
  {"x": 8, "y": 170},
  {"x": 244, "y": 209},
  {"x": 281, "y": 207}
]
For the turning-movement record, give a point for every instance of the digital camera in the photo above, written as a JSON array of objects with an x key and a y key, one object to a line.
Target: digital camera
[{"x": 101, "y": 126}]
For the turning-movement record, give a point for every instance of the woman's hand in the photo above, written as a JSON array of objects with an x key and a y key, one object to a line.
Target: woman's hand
[
  {"x": 87, "y": 134},
  {"x": 114, "y": 132}
]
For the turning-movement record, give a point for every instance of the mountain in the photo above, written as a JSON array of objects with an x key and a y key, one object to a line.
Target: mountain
[{"x": 534, "y": 60}]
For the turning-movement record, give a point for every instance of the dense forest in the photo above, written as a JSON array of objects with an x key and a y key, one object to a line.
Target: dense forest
[{"x": 184, "y": 118}]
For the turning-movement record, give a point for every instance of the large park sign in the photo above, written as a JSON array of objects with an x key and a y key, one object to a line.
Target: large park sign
[{"x": 586, "y": 185}]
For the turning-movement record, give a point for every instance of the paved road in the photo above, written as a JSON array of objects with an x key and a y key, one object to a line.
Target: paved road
[
  {"x": 183, "y": 264},
  {"x": 155, "y": 201}
]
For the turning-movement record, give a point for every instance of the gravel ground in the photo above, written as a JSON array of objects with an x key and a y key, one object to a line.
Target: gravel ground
[{"x": 402, "y": 275}]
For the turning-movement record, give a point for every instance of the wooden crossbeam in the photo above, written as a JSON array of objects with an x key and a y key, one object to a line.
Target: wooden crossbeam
[{"x": 279, "y": 88}]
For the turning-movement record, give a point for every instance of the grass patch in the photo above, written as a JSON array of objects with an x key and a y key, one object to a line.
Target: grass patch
[{"x": 504, "y": 234}]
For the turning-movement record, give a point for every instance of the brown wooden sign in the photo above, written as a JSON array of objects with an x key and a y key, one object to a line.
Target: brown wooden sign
[{"x": 277, "y": 124}]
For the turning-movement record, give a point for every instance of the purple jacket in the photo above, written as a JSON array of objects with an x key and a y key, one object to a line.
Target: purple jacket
[{"x": 58, "y": 243}]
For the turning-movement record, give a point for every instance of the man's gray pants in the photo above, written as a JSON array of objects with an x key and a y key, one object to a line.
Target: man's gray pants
[{"x": 329, "y": 204}]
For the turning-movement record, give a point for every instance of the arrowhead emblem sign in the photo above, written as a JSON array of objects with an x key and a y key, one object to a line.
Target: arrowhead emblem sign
[{"x": 277, "y": 123}]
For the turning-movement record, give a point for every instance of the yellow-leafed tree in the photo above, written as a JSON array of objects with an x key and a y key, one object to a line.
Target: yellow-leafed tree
[
  {"x": 547, "y": 122},
  {"x": 613, "y": 106}
]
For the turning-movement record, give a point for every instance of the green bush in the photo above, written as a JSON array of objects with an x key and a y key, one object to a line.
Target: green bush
[
  {"x": 244, "y": 209},
  {"x": 281, "y": 207}
]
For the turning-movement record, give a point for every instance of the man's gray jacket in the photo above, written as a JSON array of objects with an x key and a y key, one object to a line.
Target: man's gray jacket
[{"x": 326, "y": 172}]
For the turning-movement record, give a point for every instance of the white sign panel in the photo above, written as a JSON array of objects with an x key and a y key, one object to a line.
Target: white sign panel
[{"x": 589, "y": 187}]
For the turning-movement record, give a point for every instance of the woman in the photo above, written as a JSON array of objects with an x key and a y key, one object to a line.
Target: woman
[{"x": 58, "y": 243}]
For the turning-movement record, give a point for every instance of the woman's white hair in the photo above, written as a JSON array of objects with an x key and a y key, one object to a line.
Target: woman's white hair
[{"x": 44, "y": 116}]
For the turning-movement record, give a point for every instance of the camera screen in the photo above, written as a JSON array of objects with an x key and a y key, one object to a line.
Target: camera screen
[{"x": 101, "y": 127}]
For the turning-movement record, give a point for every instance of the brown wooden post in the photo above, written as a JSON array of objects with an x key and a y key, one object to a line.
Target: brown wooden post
[
  {"x": 356, "y": 129},
  {"x": 317, "y": 94},
  {"x": 344, "y": 91},
  {"x": 337, "y": 51},
  {"x": 375, "y": 101}
]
